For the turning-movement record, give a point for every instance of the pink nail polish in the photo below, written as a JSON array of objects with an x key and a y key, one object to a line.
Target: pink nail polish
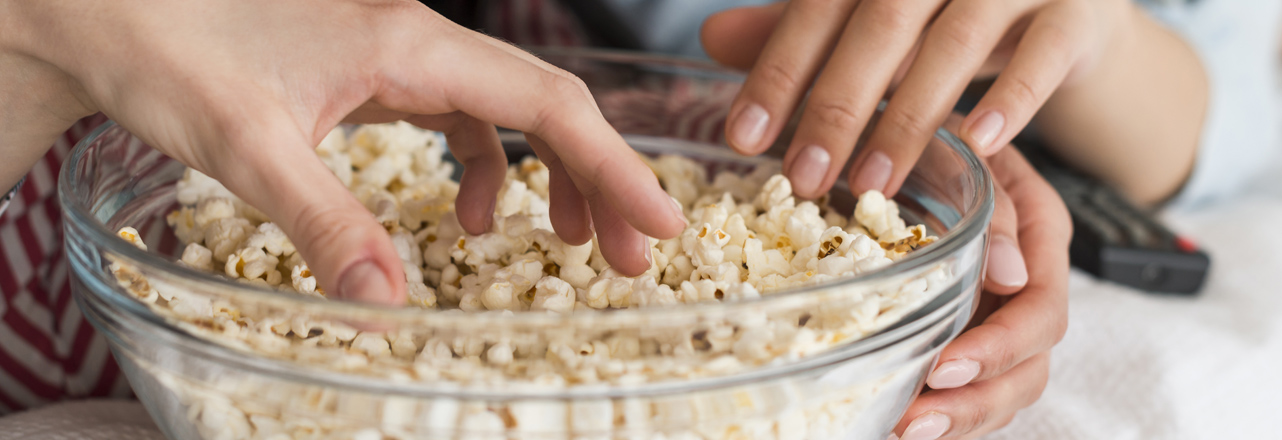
[
  {"x": 1006, "y": 263},
  {"x": 985, "y": 131},
  {"x": 874, "y": 173},
  {"x": 749, "y": 127},
  {"x": 929, "y": 426},
  {"x": 892, "y": 436},
  {"x": 953, "y": 374},
  {"x": 809, "y": 170}
]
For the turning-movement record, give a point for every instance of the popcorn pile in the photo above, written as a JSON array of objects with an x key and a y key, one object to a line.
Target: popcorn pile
[{"x": 748, "y": 237}]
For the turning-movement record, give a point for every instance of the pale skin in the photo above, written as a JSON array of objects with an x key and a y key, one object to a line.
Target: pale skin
[
  {"x": 1112, "y": 91},
  {"x": 242, "y": 90}
]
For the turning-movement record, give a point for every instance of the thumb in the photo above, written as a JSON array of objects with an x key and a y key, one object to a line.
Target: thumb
[
  {"x": 735, "y": 37},
  {"x": 349, "y": 252}
]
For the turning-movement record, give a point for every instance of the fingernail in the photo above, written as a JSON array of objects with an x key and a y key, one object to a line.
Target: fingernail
[
  {"x": 927, "y": 427},
  {"x": 679, "y": 211},
  {"x": 365, "y": 282},
  {"x": 874, "y": 173},
  {"x": 1006, "y": 263},
  {"x": 749, "y": 127},
  {"x": 892, "y": 437},
  {"x": 648, "y": 252},
  {"x": 489, "y": 215},
  {"x": 986, "y": 129},
  {"x": 953, "y": 374},
  {"x": 809, "y": 170}
]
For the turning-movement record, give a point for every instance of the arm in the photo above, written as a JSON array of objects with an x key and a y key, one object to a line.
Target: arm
[
  {"x": 38, "y": 101},
  {"x": 1135, "y": 119}
]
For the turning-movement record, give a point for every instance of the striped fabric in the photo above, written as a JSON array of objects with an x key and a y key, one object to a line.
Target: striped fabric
[
  {"x": 48, "y": 352},
  {"x": 4, "y": 201}
]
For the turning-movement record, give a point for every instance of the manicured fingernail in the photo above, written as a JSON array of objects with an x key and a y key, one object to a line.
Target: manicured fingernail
[
  {"x": 809, "y": 170},
  {"x": 749, "y": 127},
  {"x": 365, "y": 282},
  {"x": 986, "y": 129},
  {"x": 953, "y": 374},
  {"x": 874, "y": 173},
  {"x": 679, "y": 211},
  {"x": 892, "y": 437},
  {"x": 927, "y": 427},
  {"x": 1006, "y": 263}
]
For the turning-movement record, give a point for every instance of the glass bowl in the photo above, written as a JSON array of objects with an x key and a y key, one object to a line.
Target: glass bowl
[{"x": 198, "y": 384}]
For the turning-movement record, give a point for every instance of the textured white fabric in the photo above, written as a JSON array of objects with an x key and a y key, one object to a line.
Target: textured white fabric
[
  {"x": 1141, "y": 366},
  {"x": 82, "y": 420}
]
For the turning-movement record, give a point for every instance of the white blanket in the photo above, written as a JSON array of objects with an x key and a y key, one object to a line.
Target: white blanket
[{"x": 1142, "y": 366}]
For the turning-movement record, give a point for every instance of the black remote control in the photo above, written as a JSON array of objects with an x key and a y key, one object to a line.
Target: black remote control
[{"x": 1116, "y": 241}]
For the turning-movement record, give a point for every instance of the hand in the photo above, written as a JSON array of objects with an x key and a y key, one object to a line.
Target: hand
[
  {"x": 854, "y": 52},
  {"x": 1000, "y": 364},
  {"x": 243, "y": 90}
]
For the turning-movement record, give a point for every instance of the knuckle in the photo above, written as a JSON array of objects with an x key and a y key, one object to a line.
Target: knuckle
[
  {"x": 566, "y": 90},
  {"x": 838, "y": 115},
  {"x": 1003, "y": 357},
  {"x": 889, "y": 14},
  {"x": 961, "y": 35},
  {"x": 777, "y": 75},
  {"x": 1057, "y": 39},
  {"x": 973, "y": 419},
  {"x": 905, "y": 124},
  {"x": 1022, "y": 92}
]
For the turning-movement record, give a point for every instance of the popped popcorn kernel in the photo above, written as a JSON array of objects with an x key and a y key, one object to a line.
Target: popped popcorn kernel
[{"x": 749, "y": 237}]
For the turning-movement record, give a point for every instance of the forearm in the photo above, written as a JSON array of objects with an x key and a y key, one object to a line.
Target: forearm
[
  {"x": 37, "y": 100},
  {"x": 1134, "y": 120}
]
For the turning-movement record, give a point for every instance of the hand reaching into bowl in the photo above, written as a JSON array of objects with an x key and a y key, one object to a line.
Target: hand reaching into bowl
[
  {"x": 243, "y": 90},
  {"x": 1000, "y": 364},
  {"x": 854, "y": 53}
]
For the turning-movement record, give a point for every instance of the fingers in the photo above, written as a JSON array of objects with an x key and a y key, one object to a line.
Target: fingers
[
  {"x": 801, "y": 41},
  {"x": 1042, "y": 59},
  {"x": 1034, "y": 319},
  {"x": 568, "y": 209},
  {"x": 493, "y": 85},
  {"x": 977, "y": 409},
  {"x": 350, "y": 253},
  {"x": 476, "y": 145},
  {"x": 877, "y": 38},
  {"x": 735, "y": 37},
  {"x": 955, "y": 47},
  {"x": 1004, "y": 272},
  {"x": 625, "y": 248}
]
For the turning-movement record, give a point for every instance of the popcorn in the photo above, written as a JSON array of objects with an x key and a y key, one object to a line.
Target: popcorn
[
  {"x": 749, "y": 237},
  {"x": 303, "y": 281},
  {"x": 880, "y": 217},
  {"x": 551, "y": 293},
  {"x": 225, "y": 236}
]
